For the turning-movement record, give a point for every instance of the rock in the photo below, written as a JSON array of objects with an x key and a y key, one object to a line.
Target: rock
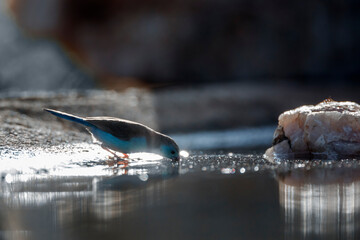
[{"x": 328, "y": 130}]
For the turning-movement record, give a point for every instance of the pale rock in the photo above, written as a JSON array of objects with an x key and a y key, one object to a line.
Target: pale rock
[{"x": 328, "y": 130}]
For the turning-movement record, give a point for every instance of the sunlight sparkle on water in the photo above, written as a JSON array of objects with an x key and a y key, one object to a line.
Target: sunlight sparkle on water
[
  {"x": 184, "y": 153},
  {"x": 227, "y": 170},
  {"x": 144, "y": 177},
  {"x": 67, "y": 160},
  {"x": 145, "y": 156}
]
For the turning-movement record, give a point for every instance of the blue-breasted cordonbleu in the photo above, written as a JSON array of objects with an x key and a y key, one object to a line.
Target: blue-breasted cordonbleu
[{"x": 125, "y": 136}]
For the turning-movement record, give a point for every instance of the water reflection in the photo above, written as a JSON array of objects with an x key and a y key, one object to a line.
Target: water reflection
[
  {"x": 111, "y": 204},
  {"x": 60, "y": 206},
  {"x": 321, "y": 203}
]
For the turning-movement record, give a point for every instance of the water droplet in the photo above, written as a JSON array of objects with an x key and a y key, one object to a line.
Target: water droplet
[
  {"x": 256, "y": 168},
  {"x": 242, "y": 170},
  {"x": 143, "y": 177},
  {"x": 9, "y": 178}
]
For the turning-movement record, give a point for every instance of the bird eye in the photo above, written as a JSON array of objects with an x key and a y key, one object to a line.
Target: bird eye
[{"x": 172, "y": 152}]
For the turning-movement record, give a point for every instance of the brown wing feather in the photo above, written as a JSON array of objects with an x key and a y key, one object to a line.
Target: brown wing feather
[{"x": 120, "y": 128}]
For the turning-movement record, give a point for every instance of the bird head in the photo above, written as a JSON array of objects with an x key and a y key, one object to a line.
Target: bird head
[{"x": 169, "y": 149}]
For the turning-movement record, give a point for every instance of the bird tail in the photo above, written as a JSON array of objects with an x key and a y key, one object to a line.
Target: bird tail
[{"x": 69, "y": 117}]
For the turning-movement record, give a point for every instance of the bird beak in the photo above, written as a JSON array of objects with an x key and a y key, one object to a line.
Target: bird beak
[{"x": 176, "y": 159}]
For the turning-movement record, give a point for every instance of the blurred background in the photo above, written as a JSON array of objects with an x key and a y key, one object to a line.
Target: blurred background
[{"x": 218, "y": 64}]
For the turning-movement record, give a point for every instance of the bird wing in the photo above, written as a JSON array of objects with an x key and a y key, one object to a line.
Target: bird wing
[{"x": 120, "y": 128}]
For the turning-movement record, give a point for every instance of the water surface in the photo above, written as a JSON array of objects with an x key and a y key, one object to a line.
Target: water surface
[{"x": 85, "y": 195}]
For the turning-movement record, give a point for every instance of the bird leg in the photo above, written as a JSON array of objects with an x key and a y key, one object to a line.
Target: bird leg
[
  {"x": 113, "y": 153},
  {"x": 121, "y": 161}
]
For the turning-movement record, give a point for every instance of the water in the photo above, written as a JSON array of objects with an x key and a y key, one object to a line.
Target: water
[{"x": 82, "y": 194}]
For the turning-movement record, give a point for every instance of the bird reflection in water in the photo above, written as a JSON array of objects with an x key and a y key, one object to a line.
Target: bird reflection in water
[
  {"x": 125, "y": 192},
  {"x": 71, "y": 200},
  {"x": 321, "y": 203}
]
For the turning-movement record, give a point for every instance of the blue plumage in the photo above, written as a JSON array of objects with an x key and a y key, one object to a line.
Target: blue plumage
[
  {"x": 125, "y": 136},
  {"x": 132, "y": 145}
]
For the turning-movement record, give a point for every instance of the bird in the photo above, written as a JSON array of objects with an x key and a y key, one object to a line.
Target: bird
[{"x": 124, "y": 136}]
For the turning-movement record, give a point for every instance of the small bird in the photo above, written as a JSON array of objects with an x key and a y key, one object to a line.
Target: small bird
[{"x": 125, "y": 136}]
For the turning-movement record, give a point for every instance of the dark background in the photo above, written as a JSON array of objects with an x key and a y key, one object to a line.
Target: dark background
[{"x": 186, "y": 42}]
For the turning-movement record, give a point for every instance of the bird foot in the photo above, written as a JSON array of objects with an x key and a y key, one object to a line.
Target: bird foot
[
  {"x": 118, "y": 163},
  {"x": 125, "y": 156},
  {"x": 123, "y": 163}
]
